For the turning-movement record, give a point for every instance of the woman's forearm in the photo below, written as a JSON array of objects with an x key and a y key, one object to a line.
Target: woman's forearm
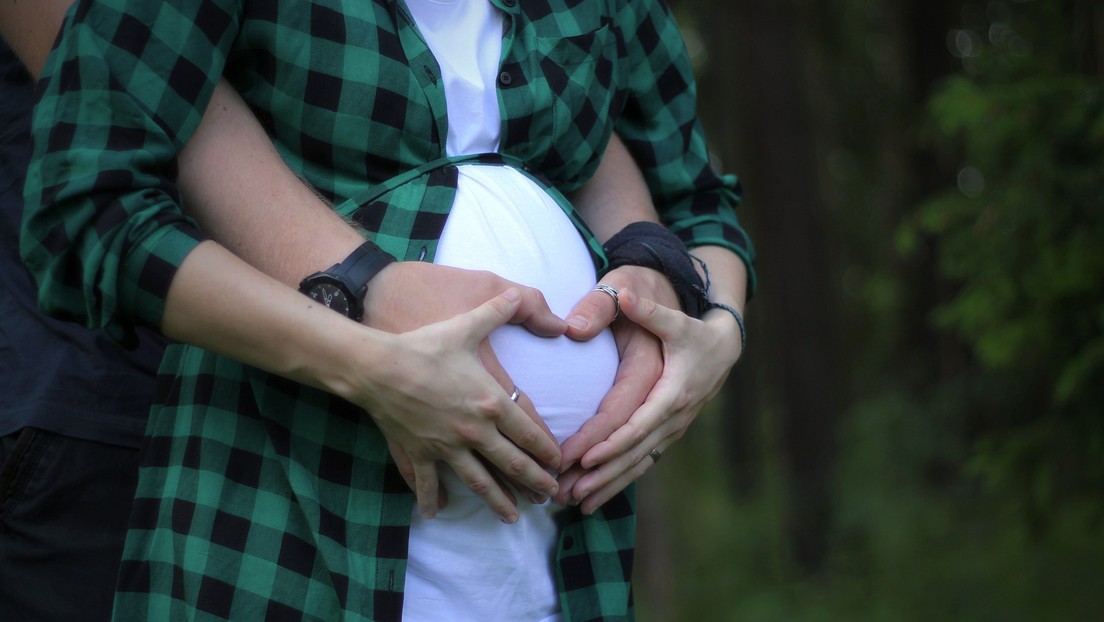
[{"x": 220, "y": 303}]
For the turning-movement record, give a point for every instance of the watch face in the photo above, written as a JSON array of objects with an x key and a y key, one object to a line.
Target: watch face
[{"x": 331, "y": 296}]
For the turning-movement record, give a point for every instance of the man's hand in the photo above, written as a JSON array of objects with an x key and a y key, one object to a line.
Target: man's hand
[
  {"x": 406, "y": 296},
  {"x": 640, "y": 368}
]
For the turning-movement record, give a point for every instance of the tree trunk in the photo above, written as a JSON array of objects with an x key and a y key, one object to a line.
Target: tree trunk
[{"x": 755, "y": 68}]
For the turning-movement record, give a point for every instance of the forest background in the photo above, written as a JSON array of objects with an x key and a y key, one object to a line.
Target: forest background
[{"x": 916, "y": 431}]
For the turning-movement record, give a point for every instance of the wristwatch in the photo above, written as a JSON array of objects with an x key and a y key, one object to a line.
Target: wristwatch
[{"x": 343, "y": 286}]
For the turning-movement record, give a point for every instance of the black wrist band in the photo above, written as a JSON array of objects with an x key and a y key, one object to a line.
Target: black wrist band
[
  {"x": 739, "y": 322},
  {"x": 651, "y": 245},
  {"x": 364, "y": 263},
  {"x": 343, "y": 286}
]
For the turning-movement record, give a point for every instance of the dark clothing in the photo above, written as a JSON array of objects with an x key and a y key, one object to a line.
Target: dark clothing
[
  {"x": 64, "y": 504},
  {"x": 73, "y": 407},
  {"x": 56, "y": 375}
]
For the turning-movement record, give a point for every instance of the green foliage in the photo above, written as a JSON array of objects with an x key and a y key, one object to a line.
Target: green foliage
[
  {"x": 908, "y": 546},
  {"x": 1021, "y": 237},
  {"x": 970, "y": 457}
]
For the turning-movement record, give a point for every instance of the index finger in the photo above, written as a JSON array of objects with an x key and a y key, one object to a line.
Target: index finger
[{"x": 494, "y": 367}]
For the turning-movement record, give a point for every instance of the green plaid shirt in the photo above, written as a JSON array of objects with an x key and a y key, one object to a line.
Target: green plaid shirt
[{"x": 258, "y": 496}]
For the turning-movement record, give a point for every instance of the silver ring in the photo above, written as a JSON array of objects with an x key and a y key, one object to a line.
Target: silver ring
[
  {"x": 655, "y": 455},
  {"x": 515, "y": 395},
  {"x": 602, "y": 287}
]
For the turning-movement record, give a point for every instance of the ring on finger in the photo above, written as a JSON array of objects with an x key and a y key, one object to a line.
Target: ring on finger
[
  {"x": 515, "y": 395},
  {"x": 602, "y": 287},
  {"x": 655, "y": 455}
]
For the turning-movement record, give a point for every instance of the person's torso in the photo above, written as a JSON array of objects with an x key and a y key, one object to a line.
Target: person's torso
[{"x": 464, "y": 563}]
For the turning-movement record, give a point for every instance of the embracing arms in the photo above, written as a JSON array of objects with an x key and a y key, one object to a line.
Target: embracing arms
[{"x": 340, "y": 240}]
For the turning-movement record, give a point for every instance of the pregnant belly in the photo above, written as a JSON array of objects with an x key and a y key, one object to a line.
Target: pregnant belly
[
  {"x": 505, "y": 223},
  {"x": 465, "y": 564}
]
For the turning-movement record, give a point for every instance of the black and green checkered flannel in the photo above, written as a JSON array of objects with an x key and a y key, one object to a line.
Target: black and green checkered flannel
[{"x": 260, "y": 497}]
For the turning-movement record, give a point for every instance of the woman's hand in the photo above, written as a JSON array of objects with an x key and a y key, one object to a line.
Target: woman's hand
[
  {"x": 434, "y": 401},
  {"x": 426, "y": 389},
  {"x": 406, "y": 296}
]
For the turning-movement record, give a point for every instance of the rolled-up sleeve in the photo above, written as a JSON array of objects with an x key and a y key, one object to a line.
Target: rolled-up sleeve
[
  {"x": 125, "y": 87},
  {"x": 659, "y": 125}
]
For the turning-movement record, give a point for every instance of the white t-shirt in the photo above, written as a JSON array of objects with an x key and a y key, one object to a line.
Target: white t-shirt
[{"x": 464, "y": 564}]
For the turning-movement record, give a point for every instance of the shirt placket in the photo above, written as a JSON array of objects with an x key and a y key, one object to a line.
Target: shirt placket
[
  {"x": 513, "y": 96},
  {"x": 425, "y": 69}
]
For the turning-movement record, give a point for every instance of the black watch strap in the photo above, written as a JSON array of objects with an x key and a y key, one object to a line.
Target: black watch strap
[
  {"x": 361, "y": 265},
  {"x": 343, "y": 286}
]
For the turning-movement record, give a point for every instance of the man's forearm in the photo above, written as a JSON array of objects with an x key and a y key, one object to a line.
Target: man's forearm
[
  {"x": 233, "y": 180},
  {"x": 728, "y": 276},
  {"x": 244, "y": 196},
  {"x": 616, "y": 195}
]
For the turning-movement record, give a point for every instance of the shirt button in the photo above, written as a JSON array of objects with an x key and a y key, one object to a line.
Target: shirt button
[
  {"x": 568, "y": 543},
  {"x": 505, "y": 78}
]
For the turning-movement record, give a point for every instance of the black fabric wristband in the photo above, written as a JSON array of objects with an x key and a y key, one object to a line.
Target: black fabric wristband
[{"x": 651, "y": 245}]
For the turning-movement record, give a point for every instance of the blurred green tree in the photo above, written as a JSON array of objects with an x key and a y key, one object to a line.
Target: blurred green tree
[{"x": 1020, "y": 235}]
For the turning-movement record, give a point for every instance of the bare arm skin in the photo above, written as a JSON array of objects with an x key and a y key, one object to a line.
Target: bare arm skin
[
  {"x": 230, "y": 161},
  {"x": 406, "y": 382},
  {"x": 671, "y": 365},
  {"x": 241, "y": 192},
  {"x": 697, "y": 356},
  {"x": 244, "y": 196},
  {"x": 30, "y": 29}
]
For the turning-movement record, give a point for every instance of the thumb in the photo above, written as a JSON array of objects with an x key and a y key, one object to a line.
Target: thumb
[
  {"x": 491, "y": 314},
  {"x": 591, "y": 315},
  {"x": 656, "y": 318}
]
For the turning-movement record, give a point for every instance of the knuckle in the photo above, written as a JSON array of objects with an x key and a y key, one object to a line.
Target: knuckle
[
  {"x": 516, "y": 467},
  {"x": 425, "y": 487},
  {"x": 467, "y": 434},
  {"x": 528, "y": 438},
  {"x": 480, "y": 486},
  {"x": 487, "y": 407}
]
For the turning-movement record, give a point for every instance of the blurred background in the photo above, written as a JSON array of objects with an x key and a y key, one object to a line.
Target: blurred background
[{"x": 917, "y": 429}]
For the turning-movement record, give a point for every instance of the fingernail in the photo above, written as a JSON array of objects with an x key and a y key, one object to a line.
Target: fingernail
[
  {"x": 509, "y": 520},
  {"x": 537, "y": 499},
  {"x": 426, "y": 514},
  {"x": 628, "y": 295},
  {"x": 512, "y": 294},
  {"x": 577, "y": 321}
]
